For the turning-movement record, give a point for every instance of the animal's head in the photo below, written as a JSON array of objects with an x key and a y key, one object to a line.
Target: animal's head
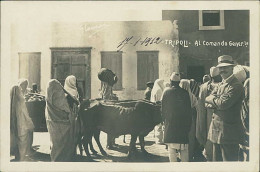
[
  {"x": 85, "y": 104},
  {"x": 88, "y": 105}
]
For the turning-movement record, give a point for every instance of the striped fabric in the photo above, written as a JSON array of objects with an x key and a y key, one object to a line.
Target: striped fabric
[{"x": 195, "y": 87}]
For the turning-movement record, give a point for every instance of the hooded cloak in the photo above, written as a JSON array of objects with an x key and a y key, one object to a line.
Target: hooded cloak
[{"x": 59, "y": 121}]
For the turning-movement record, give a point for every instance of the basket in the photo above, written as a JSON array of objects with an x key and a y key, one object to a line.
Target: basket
[{"x": 36, "y": 111}]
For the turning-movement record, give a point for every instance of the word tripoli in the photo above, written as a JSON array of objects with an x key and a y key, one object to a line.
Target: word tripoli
[{"x": 174, "y": 43}]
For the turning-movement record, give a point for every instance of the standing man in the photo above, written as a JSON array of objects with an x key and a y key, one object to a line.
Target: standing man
[
  {"x": 204, "y": 116},
  {"x": 226, "y": 129},
  {"x": 176, "y": 115}
]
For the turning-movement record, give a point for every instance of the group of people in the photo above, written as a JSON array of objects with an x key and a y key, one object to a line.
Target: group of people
[
  {"x": 62, "y": 106},
  {"x": 211, "y": 119},
  {"x": 61, "y": 118},
  {"x": 157, "y": 92},
  {"x": 61, "y": 113}
]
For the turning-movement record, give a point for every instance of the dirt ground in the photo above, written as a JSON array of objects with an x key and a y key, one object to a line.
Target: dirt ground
[{"x": 157, "y": 153}]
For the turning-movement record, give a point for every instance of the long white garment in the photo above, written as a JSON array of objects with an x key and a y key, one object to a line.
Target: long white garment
[
  {"x": 175, "y": 149},
  {"x": 70, "y": 86},
  {"x": 24, "y": 82},
  {"x": 21, "y": 124},
  {"x": 185, "y": 84},
  {"x": 156, "y": 95},
  {"x": 59, "y": 122}
]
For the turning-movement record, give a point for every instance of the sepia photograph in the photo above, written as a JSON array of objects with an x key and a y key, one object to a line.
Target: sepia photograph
[{"x": 129, "y": 86}]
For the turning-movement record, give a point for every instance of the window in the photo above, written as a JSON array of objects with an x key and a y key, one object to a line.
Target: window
[
  {"x": 211, "y": 20},
  {"x": 147, "y": 68},
  {"x": 113, "y": 60}
]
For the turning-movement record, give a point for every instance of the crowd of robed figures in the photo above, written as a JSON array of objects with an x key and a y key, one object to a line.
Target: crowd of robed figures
[
  {"x": 61, "y": 113},
  {"x": 208, "y": 121},
  {"x": 212, "y": 117},
  {"x": 61, "y": 118}
]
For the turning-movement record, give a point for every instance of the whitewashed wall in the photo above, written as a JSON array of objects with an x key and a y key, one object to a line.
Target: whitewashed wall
[{"x": 101, "y": 36}]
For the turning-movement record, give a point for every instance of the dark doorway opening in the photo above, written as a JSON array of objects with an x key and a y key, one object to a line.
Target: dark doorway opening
[{"x": 196, "y": 72}]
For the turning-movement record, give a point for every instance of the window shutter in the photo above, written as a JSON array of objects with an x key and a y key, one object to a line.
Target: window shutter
[
  {"x": 113, "y": 60},
  {"x": 147, "y": 68}
]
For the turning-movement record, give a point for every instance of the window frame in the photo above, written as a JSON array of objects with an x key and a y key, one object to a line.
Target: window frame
[{"x": 221, "y": 20}]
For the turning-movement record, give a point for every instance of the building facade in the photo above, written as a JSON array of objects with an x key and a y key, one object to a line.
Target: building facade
[
  {"x": 211, "y": 33},
  {"x": 135, "y": 51},
  {"x": 185, "y": 41}
]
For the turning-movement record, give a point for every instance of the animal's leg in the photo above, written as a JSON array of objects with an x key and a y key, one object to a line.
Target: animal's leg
[
  {"x": 110, "y": 141},
  {"x": 91, "y": 147},
  {"x": 80, "y": 146},
  {"x": 132, "y": 147},
  {"x": 96, "y": 136},
  {"x": 124, "y": 139},
  {"x": 80, "y": 136},
  {"x": 142, "y": 144},
  {"x": 86, "y": 140}
]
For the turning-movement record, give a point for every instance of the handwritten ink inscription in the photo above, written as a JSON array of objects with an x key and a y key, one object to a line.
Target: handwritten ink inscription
[
  {"x": 176, "y": 43},
  {"x": 145, "y": 42}
]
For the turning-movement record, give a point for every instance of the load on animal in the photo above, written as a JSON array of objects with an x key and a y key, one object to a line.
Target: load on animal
[{"x": 134, "y": 117}]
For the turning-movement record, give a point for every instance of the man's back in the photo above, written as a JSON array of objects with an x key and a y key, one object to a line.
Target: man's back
[
  {"x": 176, "y": 98},
  {"x": 176, "y": 111}
]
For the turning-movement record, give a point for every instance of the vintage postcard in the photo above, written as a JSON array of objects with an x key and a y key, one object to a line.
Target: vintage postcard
[{"x": 129, "y": 86}]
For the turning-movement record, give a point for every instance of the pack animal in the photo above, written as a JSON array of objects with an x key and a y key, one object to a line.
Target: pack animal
[{"x": 134, "y": 117}]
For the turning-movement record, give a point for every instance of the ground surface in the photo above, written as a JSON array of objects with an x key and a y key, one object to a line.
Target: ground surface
[{"x": 157, "y": 153}]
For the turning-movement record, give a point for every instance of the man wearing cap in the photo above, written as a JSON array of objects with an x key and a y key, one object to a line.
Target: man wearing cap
[
  {"x": 226, "y": 129},
  {"x": 147, "y": 93},
  {"x": 176, "y": 115},
  {"x": 205, "y": 114},
  {"x": 206, "y": 78}
]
